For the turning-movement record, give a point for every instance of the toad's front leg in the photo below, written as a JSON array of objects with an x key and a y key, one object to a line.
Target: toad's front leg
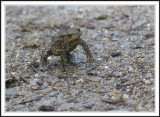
[
  {"x": 87, "y": 51},
  {"x": 43, "y": 61},
  {"x": 63, "y": 61}
]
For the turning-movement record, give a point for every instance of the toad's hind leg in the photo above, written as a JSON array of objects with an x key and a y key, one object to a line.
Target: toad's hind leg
[{"x": 87, "y": 51}]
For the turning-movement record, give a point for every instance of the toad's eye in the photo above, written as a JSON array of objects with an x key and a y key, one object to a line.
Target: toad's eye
[{"x": 69, "y": 36}]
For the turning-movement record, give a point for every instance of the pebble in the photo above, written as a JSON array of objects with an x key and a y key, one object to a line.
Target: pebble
[
  {"x": 128, "y": 90},
  {"x": 125, "y": 97},
  {"x": 92, "y": 72},
  {"x": 35, "y": 64},
  {"x": 89, "y": 105},
  {"x": 46, "y": 108},
  {"x": 90, "y": 26},
  {"x": 48, "y": 101},
  {"x": 114, "y": 98},
  {"x": 101, "y": 17},
  {"x": 131, "y": 68},
  {"x": 136, "y": 46},
  {"x": 114, "y": 39},
  {"x": 147, "y": 82},
  {"x": 99, "y": 59},
  {"x": 41, "y": 87},
  {"x": 52, "y": 94},
  {"x": 148, "y": 76},
  {"x": 61, "y": 76},
  {"x": 36, "y": 75},
  {"x": 131, "y": 102},
  {"x": 115, "y": 54},
  {"x": 40, "y": 82},
  {"x": 117, "y": 74},
  {"x": 80, "y": 81},
  {"x": 12, "y": 82},
  {"x": 60, "y": 100},
  {"x": 110, "y": 101},
  {"x": 65, "y": 106}
]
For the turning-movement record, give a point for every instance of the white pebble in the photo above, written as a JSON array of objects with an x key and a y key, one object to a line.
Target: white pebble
[
  {"x": 36, "y": 75},
  {"x": 13, "y": 73},
  {"x": 147, "y": 82},
  {"x": 128, "y": 90},
  {"x": 125, "y": 96},
  {"x": 49, "y": 58},
  {"x": 80, "y": 81},
  {"x": 106, "y": 67}
]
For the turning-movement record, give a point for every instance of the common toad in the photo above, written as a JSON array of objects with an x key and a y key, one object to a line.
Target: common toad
[{"x": 63, "y": 43}]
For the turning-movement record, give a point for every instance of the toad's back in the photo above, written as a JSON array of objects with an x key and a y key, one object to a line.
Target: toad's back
[{"x": 65, "y": 40}]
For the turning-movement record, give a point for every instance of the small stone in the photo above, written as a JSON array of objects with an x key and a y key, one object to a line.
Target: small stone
[
  {"x": 34, "y": 87},
  {"x": 11, "y": 82},
  {"x": 116, "y": 53},
  {"x": 113, "y": 98},
  {"x": 99, "y": 59},
  {"x": 125, "y": 96},
  {"x": 117, "y": 74},
  {"x": 49, "y": 58},
  {"x": 35, "y": 64},
  {"x": 13, "y": 73},
  {"x": 130, "y": 68},
  {"x": 127, "y": 90},
  {"x": 80, "y": 81},
  {"x": 147, "y": 82},
  {"x": 148, "y": 75},
  {"x": 108, "y": 26},
  {"x": 52, "y": 94},
  {"x": 60, "y": 100},
  {"x": 36, "y": 75},
  {"x": 40, "y": 82},
  {"x": 90, "y": 26},
  {"x": 131, "y": 102},
  {"x": 61, "y": 76},
  {"x": 101, "y": 17},
  {"x": 112, "y": 101},
  {"x": 79, "y": 16},
  {"x": 89, "y": 105},
  {"x": 139, "y": 23},
  {"x": 92, "y": 72},
  {"x": 106, "y": 67},
  {"x": 105, "y": 39},
  {"x": 65, "y": 106},
  {"x": 138, "y": 46},
  {"x": 41, "y": 87},
  {"x": 114, "y": 39},
  {"x": 54, "y": 88},
  {"x": 46, "y": 108}
]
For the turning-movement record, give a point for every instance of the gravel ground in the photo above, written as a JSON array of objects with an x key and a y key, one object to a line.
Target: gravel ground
[{"x": 121, "y": 39}]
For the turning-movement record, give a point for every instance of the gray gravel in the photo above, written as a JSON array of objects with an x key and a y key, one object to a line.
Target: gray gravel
[{"x": 121, "y": 39}]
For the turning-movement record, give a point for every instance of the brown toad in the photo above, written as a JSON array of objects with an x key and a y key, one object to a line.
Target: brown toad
[{"x": 63, "y": 43}]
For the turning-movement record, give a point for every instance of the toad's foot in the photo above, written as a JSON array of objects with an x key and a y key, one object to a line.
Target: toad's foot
[
  {"x": 90, "y": 63},
  {"x": 43, "y": 66}
]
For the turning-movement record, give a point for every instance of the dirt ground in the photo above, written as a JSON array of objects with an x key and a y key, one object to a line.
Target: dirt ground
[{"x": 121, "y": 40}]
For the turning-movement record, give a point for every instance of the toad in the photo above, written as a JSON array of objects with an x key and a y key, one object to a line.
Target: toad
[{"x": 62, "y": 44}]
